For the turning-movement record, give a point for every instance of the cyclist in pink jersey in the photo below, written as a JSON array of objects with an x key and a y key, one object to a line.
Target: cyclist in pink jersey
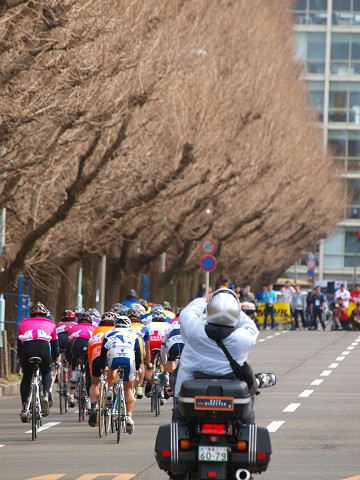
[
  {"x": 78, "y": 342},
  {"x": 36, "y": 337},
  {"x": 65, "y": 327}
]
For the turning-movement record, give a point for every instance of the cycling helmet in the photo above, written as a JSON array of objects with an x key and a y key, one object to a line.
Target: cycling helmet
[
  {"x": 248, "y": 307},
  {"x": 135, "y": 311},
  {"x": 78, "y": 310},
  {"x": 131, "y": 294},
  {"x": 84, "y": 318},
  {"x": 93, "y": 312},
  {"x": 158, "y": 313},
  {"x": 243, "y": 292},
  {"x": 144, "y": 303},
  {"x": 223, "y": 308},
  {"x": 166, "y": 305},
  {"x": 122, "y": 321},
  {"x": 120, "y": 309},
  {"x": 38, "y": 310},
  {"x": 68, "y": 315},
  {"x": 108, "y": 318}
]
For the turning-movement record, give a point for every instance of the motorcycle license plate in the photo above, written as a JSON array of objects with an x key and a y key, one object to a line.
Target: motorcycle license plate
[{"x": 213, "y": 454}]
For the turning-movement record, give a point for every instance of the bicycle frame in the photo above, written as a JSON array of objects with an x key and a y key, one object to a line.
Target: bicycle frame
[
  {"x": 118, "y": 414},
  {"x": 33, "y": 406}
]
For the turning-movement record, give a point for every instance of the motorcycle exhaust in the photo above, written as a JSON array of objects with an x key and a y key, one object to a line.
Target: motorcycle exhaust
[{"x": 242, "y": 474}]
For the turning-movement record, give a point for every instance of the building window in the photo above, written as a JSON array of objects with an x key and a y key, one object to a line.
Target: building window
[
  {"x": 345, "y": 53},
  {"x": 316, "y": 97},
  {"x": 310, "y": 12},
  {"x": 334, "y": 250},
  {"x": 353, "y": 187},
  {"x": 311, "y": 51},
  {"x": 344, "y": 102},
  {"x": 346, "y": 12}
]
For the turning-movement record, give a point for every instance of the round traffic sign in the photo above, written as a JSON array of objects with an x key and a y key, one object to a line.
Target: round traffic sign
[
  {"x": 311, "y": 256},
  {"x": 208, "y": 263},
  {"x": 311, "y": 264},
  {"x": 208, "y": 246},
  {"x": 310, "y": 273}
]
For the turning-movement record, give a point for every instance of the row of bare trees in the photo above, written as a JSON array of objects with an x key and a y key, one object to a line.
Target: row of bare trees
[{"x": 123, "y": 124}]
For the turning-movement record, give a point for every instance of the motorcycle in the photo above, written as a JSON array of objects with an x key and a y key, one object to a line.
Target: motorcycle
[{"x": 211, "y": 440}]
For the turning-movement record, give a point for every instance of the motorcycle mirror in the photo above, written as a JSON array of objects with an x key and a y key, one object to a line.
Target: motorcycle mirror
[{"x": 265, "y": 380}]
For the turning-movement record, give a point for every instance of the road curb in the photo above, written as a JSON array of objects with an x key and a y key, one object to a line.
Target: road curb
[{"x": 9, "y": 389}]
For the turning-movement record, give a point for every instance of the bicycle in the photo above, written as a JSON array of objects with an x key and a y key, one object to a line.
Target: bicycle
[
  {"x": 159, "y": 381},
  {"x": 105, "y": 412},
  {"x": 118, "y": 415},
  {"x": 81, "y": 387},
  {"x": 33, "y": 406},
  {"x": 63, "y": 384}
]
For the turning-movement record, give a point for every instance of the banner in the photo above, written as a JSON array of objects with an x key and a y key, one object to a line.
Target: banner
[{"x": 282, "y": 312}]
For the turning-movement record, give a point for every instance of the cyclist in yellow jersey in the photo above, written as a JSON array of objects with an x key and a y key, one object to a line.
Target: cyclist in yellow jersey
[
  {"x": 168, "y": 311},
  {"x": 135, "y": 312}
]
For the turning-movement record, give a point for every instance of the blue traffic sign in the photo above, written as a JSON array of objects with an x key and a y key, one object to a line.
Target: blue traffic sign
[
  {"x": 208, "y": 263},
  {"x": 310, "y": 273}
]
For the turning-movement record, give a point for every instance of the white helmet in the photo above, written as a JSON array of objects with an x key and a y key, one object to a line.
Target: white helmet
[{"x": 223, "y": 308}]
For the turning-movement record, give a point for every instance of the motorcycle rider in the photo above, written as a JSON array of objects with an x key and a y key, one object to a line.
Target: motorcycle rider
[{"x": 224, "y": 321}]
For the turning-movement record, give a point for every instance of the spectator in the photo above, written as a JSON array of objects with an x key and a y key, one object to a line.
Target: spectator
[
  {"x": 355, "y": 294},
  {"x": 341, "y": 314},
  {"x": 287, "y": 292},
  {"x": 131, "y": 298},
  {"x": 317, "y": 305},
  {"x": 225, "y": 283},
  {"x": 201, "y": 290},
  {"x": 308, "y": 307},
  {"x": 298, "y": 307},
  {"x": 355, "y": 318},
  {"x": 260, "y": 294},
  {"x": 237, "y": 291},
  {"x": 269, "y": 297},
  {"x": 248, "y": 288},
  {"x": 344, "y": 294}
]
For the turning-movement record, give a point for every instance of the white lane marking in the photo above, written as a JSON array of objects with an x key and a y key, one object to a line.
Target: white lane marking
[
  {"x": 2, "y": 446},
  {"x": 273, "y": 426},
  {"x": 45, "y": 426},
  {"x": 350, "y": 348},
  {"x": 278, "y": 333},
  {"x": 270, "y": 336},
  {"x": 333, "y": 365},
  {"x": 291, "y": 407},
  {"x": 340, "y": 359},
  {"x": 306, "y": 393},
  {"x": 355, "y": 344},
  {"x": 325, "y": 373},
  {"x": 345, "y": 353},
  {"x": 261, "y": 340},
  {"x": 317, "y": 381}
]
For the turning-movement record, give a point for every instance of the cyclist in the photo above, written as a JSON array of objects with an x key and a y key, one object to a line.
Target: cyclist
[
  {"x": 157, "y": 328},
  {"x": 78, "y": 310},
  {"x": 171, "y": 347},
  {"x": 169, "y": 313},
  {"x": 37, "y": 337},
  {"x": 135, "y": 312},
  {"x": 95, "y": 315},
  {"x": 131, "y": 298},
  {"x": 120, "y": 308},
  {"x": 77, "y": 345},
  {"x": 94, "y": 349},
  {"x": 121, "y": 347},
  {"x": 65, "y": 327}
]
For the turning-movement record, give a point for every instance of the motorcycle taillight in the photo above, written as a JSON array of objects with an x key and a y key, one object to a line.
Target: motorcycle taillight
[{"x": 213, "y": 429}]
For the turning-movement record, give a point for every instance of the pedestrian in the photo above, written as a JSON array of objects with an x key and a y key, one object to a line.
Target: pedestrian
[
  {"x": 298, "y": 307},
  {"x": 355, "y": 294},
  {"x": 317, "y": 306},
  {"x": 250, "y": 293},
  {"x": 287, "y": 292},
  {"x": 270, "y": 298},
  {"x": 260, "y": 294},
  {"x": 355, "y": 318},
  {"x": 201, "y": 290},
  {"x": 343, "y": 293},
  {"x": 341, "y": 314}
]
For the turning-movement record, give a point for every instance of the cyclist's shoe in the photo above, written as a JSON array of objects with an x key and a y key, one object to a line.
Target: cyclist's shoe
[
  {"x": 139, "y": 392},
  {"x": 148, "y": 389},
  {"x": 109, "y": 398},
  {"x": 51, "y": 399},
  {"x": 87, "y": 403},
  {"x": 129, "y": 424},
  {"x": 72, "y": 401},
  {"x": 93, "y": 416},
  {"x": 45, "y": 406},
  {"x": 166, "y": 393},
  {"x": 24, "y": 415}
]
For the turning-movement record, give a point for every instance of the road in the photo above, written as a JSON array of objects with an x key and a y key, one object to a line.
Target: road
[{"x": 312, "y": 414}]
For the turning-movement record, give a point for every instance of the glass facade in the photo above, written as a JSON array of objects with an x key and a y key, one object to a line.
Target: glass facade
[{"x": 327, "y": 34}]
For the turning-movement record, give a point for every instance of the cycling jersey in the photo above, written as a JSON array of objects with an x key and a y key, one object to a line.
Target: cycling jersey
[
  {"x": 172, "y": 344},
  {"x": 156, "y": 332},
  {"x": 81, "y": 330},
  {"x": 121, "y": 347},
  {"x": 95, "y": 342},
  {"x": 63, "y": 329},
  {"x": 143, "y": 334},
  {"x": 37, "y": 328}
]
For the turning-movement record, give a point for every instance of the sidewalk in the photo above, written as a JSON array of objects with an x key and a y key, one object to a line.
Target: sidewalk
[{"x": 10, "y": 388}]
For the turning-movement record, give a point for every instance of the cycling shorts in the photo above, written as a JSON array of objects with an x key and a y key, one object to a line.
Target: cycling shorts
[
  {"x": 129, "y": 372},
  {"x": 175, "y": 351},
  {"x": 76, "y": 348},
  {"x": 35, "y": 348},
  {"x": 95, "y": 367},
  {"x": 63, "y": 340}
]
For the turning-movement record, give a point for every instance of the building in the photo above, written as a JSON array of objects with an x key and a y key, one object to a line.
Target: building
[{"x": 328, "y": 46}]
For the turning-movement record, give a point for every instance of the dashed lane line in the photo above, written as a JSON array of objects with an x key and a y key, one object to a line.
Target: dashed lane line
[
  {"x": 45, "y": 426},
  {"x": 291, "y": 407},
  {"x": 333, "y": 365},
  {"x": 275, "y": 425},
  {"x": 306, "y": 393},
  {"x": 325, "y": 373},
  {"x": 318, "y": 381},
  {"x": 340, "y": 359}
]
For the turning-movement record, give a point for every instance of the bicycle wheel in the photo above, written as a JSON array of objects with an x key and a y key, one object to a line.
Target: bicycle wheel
[
  {"x": 101, "y": 409},
  {"x": 157, "y": 400},
  {"x": 66, "y": 388},
  {"x": 81, "y": 398},
  {"x": 118, "y": 415},
  {"x": 34, "y": 412},
  {"x": 61, "y": 392}
]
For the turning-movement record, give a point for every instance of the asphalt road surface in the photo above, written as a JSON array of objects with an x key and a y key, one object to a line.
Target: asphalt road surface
[{"x": 312, "y": 414}]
